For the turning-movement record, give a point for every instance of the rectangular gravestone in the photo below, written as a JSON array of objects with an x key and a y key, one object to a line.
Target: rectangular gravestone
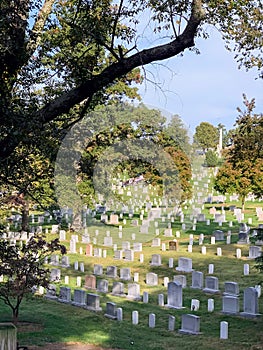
[
  {"x": 152, "y": 279},
  {"x": 129, "y": 255},
  {"x": 231, "y": 288},
  {"x": 79, "y": 298},
  {"x": 175, "y": 295},
  {"x": 55, "y": 275},
  {"x": 184, "y": 265},
  {"x": 230, "y": 305},
  {"x": 211, "y": 285},
  {"x": 137, "y": 247},
  {"x": 173, "y": 245},
  {"x": 254, "y": 252},
  {"x": 90, "y": 282},
  {"x": 93, "y": 302},
  {"x": 156, "y": 242},
  {"x": 118, "y": 289},
  {"x": 190, "y": 324},
  {"x": 180, "y": 279},
  {"x": 118, "y": 254},
  {"x": 102, "y": 286},
  {"x": 134, "y": 291},
  {"x": 250, "y": 303},
  {"x": 197, "y": 280},
  {"x": 65, "y": 261},
  {"x": 97, "y": 270},
  {"x": 64, "y": 295},
  {"x": 111, "y": 271},
  {"x": 156, "y": 260},
  {"x": 111, "y": 311},
  {"x": 125, "y": 273}
]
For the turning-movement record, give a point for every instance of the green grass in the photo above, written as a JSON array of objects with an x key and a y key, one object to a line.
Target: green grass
[{"x": 66, "y": 323}]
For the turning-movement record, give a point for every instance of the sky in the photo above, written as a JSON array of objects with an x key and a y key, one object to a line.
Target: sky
[{"x": 206, "y": 87}]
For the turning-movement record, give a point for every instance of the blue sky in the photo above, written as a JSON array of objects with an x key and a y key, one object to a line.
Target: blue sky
[{"x": 206, "y": 87}]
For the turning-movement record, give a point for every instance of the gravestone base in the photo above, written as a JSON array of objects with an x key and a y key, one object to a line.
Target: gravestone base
[
  {"x": 168, "y": 306},
  {"x": 183, "y": 331},
  {"x": 112, "y": 317},
  {"x": 74, "y": 303},
  {"x": 91, "y": 308},
  {"x": 211, "y": 291},
  {"x": 249, "y": 315}
]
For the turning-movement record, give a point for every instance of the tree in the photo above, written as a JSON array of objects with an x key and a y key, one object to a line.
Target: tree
[
  {"x": 22, "y": 268},
  {"x": 137, "y": 140},
  {"x": 211, "y": 159},
  {"x": 206, "y": 135},
  {"x": 242, "y": 171},
  {"x": 60, "y": 57}
]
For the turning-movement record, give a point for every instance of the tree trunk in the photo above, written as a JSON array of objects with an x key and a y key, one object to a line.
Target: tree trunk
[{"x": 25, "y": 216}]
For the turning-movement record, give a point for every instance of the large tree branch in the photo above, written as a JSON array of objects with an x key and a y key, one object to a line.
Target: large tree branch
[
  {"x": 38, "y": 27},
  {"x": 87, "y": 89},
  {"x": 66, "y": 101}
]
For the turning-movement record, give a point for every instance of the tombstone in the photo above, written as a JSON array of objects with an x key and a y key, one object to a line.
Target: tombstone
[
  {"x": 184, "y": 265},
  {"x": 125, "y": 273},
  {"x": 97, "y": 269},
  {"x": 79, "y": 298},
  {"x": 64, "y": 295},
  {"x": 111, "y": 311},
  {"x": 62, "y": 235},
  {"x": 174, "y": 245},
  {"x": 231, "y": 289},
  {"x": 90, "y": 282},
  {"x": 102, "y": 286},
  {"x": 119, "y": 314},
  {"x": 72, "y": 247},
  {"x": 201, "y": 218},
  {"x": 168, "y": 232},
  {"x": 246, "y": 269},
  {"x": 190, "y": 324},
  {"x": 55, "y": 275},
  {"x": 210, "y": 269},
  {"x": 197, "y": 280},
  {"x": 156, "y": 260},
  {"x": 135, "y": 317},
  {"x": 175, "y": 295},
  {"x": 141, "y": 258},
  {"x": 180, "y": 279},
  {"x": 51, "y": 292},
  {"x": 145, "y": 297},
  {"x": 238, "y": 253},
  {"x": 136, "y": 277},
  {"x": 161, "y": 299},
  {"x": 118, "y": 289},
  {"x": 54, "y": 259},
  {"x": 137, "y": 247},
  {"x": 111, "y": 271},
  {"x": 254, "y": 252},
  {"x": 152, "y": 279},
  {"x": 114, "y": 219},
  {"x": 195, "y": 305},
  {"x": 89, "y": 249},
  {"x": 129, "y": 255},
  {"x": 134, "y": 222},
  {"x": 219, "y": 235},
  {"x": 78, "y": 281},
  {"x": 230, "y": 305},
  {"x": 250, "y": 303},
  {"x": 210, "y": 305},
  {"x": 151, "y": 320},
  {"x": 93, "y": 302},
  {"x": 243, "y": 235},
  {"x": 223, "y": 330},
  {"x": 118, "y": 254},
  {"x": 156, "y": 242},
  {"x": 134, "y": 291},
  {"x": 171, "y": 263},
  {"x": 171, "y": 323},
  {"x": 211, "y": 285}
]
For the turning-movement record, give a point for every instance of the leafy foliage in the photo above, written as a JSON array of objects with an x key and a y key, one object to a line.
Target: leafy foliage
[
  {"x": 206, "y": 135},
  {"x": 22, "y": 268},
  {"x": 242, "y": 171}
]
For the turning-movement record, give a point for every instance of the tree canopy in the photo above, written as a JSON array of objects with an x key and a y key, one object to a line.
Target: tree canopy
[
  {"x": 59, "y": 57},
  {"x": 206, "y": 136},
  {"x": 242, "y": 171}
]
